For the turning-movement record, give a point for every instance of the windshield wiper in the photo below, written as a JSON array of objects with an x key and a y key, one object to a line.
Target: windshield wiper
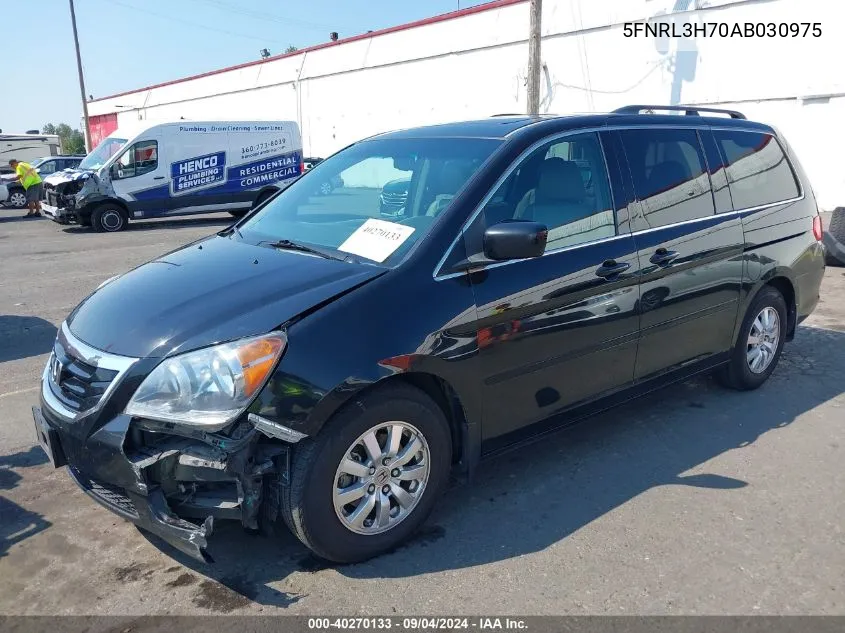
[{"x": 296, "y": 246}]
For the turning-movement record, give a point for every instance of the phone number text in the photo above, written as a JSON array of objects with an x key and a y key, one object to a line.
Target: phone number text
[{"x": 277, "y": 142}]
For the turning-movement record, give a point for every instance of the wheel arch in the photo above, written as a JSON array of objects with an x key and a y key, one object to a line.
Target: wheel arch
[
  {"x": 93, "y": 205},
  {"x": 266, "y": 192},
  {"x": 465, "y": 435},
  {"x": 787, "y": 290},
  {"x": 781, "y": 280}
]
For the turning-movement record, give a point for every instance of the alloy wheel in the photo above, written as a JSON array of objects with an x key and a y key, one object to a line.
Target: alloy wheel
[
  {"x": 381, "y": 478},
  {"x": 763, "y": 340},
  {"x": 17, "y": 199}
]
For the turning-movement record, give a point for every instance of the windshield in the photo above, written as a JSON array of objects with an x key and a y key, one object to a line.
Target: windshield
[
  {"x": 372, "y": 200},
  {"x": 37, "y": 162},
  {"x": 105, "y": 150}
]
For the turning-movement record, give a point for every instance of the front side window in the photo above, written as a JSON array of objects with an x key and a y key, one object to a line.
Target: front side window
[
  {"x": 758, "y": 172},
  {"x": 670, "y": 175},
  {"x": 139, "y": 159},
  {"x": 374, "y": 199},
  {"x": 564, "y": 185}
]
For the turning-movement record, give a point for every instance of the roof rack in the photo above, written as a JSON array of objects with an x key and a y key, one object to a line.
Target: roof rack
[{"x": 688, "y": 110}]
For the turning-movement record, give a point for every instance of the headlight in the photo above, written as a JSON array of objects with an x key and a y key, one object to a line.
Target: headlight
[{"x": 210, "y": 387}]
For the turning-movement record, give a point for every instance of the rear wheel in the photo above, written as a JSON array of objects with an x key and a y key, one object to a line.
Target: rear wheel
[
  {"x": 760, "y": 342},
  {"x": 109, "y": 218},
  {"x": 371, "y": 477}
]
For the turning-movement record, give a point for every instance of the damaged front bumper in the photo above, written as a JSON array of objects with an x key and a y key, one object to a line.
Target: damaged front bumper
[
  {"x": 171, "y": 486},
  {"x": 152, "y": 513},
  {"x": 62, "y": 215}
]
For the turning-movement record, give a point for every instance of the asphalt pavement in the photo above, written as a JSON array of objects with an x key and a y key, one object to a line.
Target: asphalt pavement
[{"x": 693, "y": 500}]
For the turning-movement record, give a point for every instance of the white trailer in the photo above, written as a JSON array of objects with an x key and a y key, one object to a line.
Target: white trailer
[{"x": 27, "y": 147}]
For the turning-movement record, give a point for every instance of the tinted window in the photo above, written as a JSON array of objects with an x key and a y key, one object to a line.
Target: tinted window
[
  {"x": 670, "y": 175},
  {"x": 758, "y": 172},
  {"x": 139, "y": 159},
  {"x": 563, "y": 185}
]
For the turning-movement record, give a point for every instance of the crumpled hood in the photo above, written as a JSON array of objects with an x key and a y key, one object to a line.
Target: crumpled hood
[
  {"x": 209, "y": 292},
  {"x": 67, "y": 175}
]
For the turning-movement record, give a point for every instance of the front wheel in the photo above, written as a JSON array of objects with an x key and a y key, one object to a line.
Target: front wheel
[
  {"x": 371, "y": 477},
  {"x": 760, "y": 342},
  {"x": 17, "y": 199},
  {"x": 109, "y": 218}
]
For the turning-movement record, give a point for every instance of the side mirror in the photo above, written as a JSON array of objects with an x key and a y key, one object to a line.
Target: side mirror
[
  {"x": 113, "y": 171},
  {"x": 515, "y": 239}
]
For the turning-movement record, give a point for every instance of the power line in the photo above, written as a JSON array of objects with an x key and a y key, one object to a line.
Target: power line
[
  {"x": 170, "y": 18},
  {"x": 266, "y": 17}
]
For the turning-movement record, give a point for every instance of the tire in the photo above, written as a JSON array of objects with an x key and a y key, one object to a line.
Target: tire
[
  {"x": 308, "y": 504},
  {"x": 264, "y": 197},
  {"x": 738, "y": 373},
  {"x": 17, "y": 199},
  {"x": 834, "y": 238},
  {"x": 109, "y": 218}
]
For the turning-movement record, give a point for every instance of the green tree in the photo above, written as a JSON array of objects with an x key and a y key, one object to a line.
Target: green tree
[
  {"x": 291, "y": 49},
  {"x": 72, "y": 140}
]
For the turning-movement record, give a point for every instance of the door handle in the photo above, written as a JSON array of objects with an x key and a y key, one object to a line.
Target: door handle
[
  {"x": 663, "y": 257},
  {"x": 159, "y": 178},
  {"x": 611, "y": 267}
]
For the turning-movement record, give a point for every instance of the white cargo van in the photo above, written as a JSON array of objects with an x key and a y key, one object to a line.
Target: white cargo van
[{"x": 179, "y": 168}]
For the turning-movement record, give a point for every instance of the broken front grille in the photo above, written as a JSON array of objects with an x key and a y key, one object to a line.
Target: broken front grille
[{"x": 78, "y": 385}]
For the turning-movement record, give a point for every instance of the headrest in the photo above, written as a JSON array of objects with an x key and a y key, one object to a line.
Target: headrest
[{"x": 560, "y": 180}]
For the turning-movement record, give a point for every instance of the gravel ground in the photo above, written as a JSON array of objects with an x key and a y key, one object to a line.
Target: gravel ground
[{"x": 694, "y": 500}]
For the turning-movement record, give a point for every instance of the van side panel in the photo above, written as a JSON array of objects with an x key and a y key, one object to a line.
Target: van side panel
[{"x": 214, "y": 166}]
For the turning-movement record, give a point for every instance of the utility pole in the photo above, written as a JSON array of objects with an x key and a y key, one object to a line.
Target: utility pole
[
  {"x": 534, "y": 57},
  {"x": 81, "y": 79}
]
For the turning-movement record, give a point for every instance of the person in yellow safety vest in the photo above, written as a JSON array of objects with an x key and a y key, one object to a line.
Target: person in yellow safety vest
[{"x": 31, "y": 182}]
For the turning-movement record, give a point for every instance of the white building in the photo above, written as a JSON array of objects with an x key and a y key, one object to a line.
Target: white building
[{"x": 472, "y": 63}]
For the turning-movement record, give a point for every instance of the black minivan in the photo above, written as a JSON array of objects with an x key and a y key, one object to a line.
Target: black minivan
[{"x": 321, "y": 365}]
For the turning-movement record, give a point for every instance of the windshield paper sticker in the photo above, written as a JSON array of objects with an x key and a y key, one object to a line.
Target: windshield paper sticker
[
  {"x": 198, "y": 172},
  {"x": 376, "y": 239}
]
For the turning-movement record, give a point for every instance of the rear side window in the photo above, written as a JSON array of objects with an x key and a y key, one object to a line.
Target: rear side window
[
  {"x": 669, "y": 174},
  {"x": 758, "y": 172}
]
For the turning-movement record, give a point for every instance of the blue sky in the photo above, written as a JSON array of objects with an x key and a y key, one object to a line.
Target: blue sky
[{"x": 129, "y": 44}]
